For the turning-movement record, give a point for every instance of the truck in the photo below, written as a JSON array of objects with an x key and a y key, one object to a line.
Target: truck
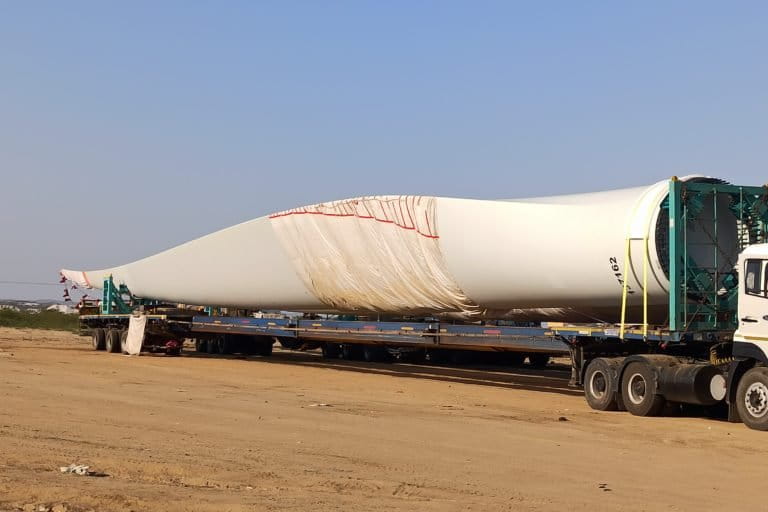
[{"x": 711, "y": 350}]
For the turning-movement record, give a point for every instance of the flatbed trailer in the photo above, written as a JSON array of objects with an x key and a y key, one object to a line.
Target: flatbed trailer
[{"x": 224, "y": 334}]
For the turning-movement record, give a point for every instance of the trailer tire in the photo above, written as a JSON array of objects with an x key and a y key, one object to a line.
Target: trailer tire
[
  {"x": 264, "y": 348},
  {"x": 229, "y": 344},
  {"x": 439, "y": 356},
  {"x": 112, "y": 341},
  {"x": 200, "y": 345},
  {"x": 351, "y": 352},
  {"x": 538, "y": 360},
  {"x": 375, "y": 353},
  {"x": 638, "y": 390},
  {"x": 99, "y": 338},
  {"x": 600, "y": 385},
  {"x": 513, "y": 358},
  {"x": 124, "y": 341},
  {"x": 462, "y": 357},
  {"x": 211, "y": 346},
  {"x": 752, "y": 398},
  {"x": 331, "y": 350}
]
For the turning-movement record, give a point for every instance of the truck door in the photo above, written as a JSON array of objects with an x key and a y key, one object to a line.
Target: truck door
[{"x": 753, "y": 304}]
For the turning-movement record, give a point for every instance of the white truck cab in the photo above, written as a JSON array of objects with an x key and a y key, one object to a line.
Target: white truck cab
[
  {"x": 753, "y": 299},
  {"x": 750, "y": 341}
]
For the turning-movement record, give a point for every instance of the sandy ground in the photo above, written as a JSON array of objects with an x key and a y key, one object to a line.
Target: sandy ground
[{"x": 206, "y": 433}]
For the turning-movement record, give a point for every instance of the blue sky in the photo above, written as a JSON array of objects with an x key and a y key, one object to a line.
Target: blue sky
[{"x": 127, "y": 128}]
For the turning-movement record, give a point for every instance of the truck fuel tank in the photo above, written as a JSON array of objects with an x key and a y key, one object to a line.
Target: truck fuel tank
[{"x": 700, "y": 384}]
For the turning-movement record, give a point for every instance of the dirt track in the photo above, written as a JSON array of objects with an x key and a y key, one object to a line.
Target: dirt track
[{"x": 213, "y": 434}]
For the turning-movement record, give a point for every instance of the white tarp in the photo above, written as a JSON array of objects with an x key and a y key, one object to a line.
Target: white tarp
[
  {"x": 371, "y": 253},
  {"x": 136, "y": 328}
]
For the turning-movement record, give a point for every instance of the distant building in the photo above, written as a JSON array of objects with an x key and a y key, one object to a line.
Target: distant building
[
  {"x": 10, "y": 307},
  {"x": 62, "y": 308}
]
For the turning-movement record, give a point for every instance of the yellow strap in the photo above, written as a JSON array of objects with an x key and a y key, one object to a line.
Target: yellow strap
[
  {"x": 624, "y": 290},
  {"x": 645, "y": 287}
]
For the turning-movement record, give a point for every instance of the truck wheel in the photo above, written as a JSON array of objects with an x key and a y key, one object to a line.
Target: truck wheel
[
  {"x": 752, "y": 398},
  {"x": 112, "y": 341},
  {"x": 638, "y": 389},
  {"x": 212, "y": 346},
  {"x": 124, "y": 341},
  {"x": 538, "y": 360},
  {"x": 200, "y": 345},
  {"x": 331, "y": 350},
  {"x": 99, "y": 338},
  {"x": 600, "y": 386}
]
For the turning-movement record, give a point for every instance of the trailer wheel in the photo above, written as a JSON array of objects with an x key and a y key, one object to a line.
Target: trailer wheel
[
  {"x": 200, "y": 345},
  {"x": 351, "y": 352},
  {"x": 112, "y": 341},
  {"x": 439, "y": 356},
  {"x": 228, "y": 344},
  {"x": 638, "y": 389},
  {"x": 331, "y": 350},
  {"x": 212, "y": 346},
  {"x": 600, "y": 386},
  {"x": 462, "y": 357},
  {"x": 375, "y": 353},
  {"x": 513, "y": 358},
  {"x": 99, "y": 338},
  {"x": 538, "y": 360},
  {"x": 124, "y": 341},
  {"x": 264, "y": 348},
  {"x": 752, "y": 398}
]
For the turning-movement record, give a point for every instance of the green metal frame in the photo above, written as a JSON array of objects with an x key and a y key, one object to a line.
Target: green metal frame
[
  {"x": 113, "y": 299},
  {"x": 701, "y": 298}
]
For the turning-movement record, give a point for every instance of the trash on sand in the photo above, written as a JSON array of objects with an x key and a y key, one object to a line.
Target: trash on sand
[
  {"x": 80, "y": 469},
  {"x": 320, "y": 405}
]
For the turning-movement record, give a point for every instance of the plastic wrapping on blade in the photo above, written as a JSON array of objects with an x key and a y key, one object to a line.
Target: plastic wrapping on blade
[{"x": 378, "y": 253}]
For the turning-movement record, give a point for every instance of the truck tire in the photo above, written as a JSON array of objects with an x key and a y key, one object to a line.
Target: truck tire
[
  {"x": 212, "y": 346},
  {"x": 538, "y": 360},
  {"x": 600, "y": 385},
  {"x": 331, "y": 350},
  {"x": 124, "y": 341},
  {"x": 200, "y": 345},
  {"x": 112, "y": 341},
  {"x": 752, "y": 398},
  {"x": 99, "y": 338},
  {"x": 638, "y": 390}
]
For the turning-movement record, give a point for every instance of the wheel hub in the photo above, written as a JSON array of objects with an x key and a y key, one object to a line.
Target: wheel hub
[
  {"x": 756, "y": 399},
  {"x": 598, "y": 385},
  {"x": 636, "y": 389}
]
